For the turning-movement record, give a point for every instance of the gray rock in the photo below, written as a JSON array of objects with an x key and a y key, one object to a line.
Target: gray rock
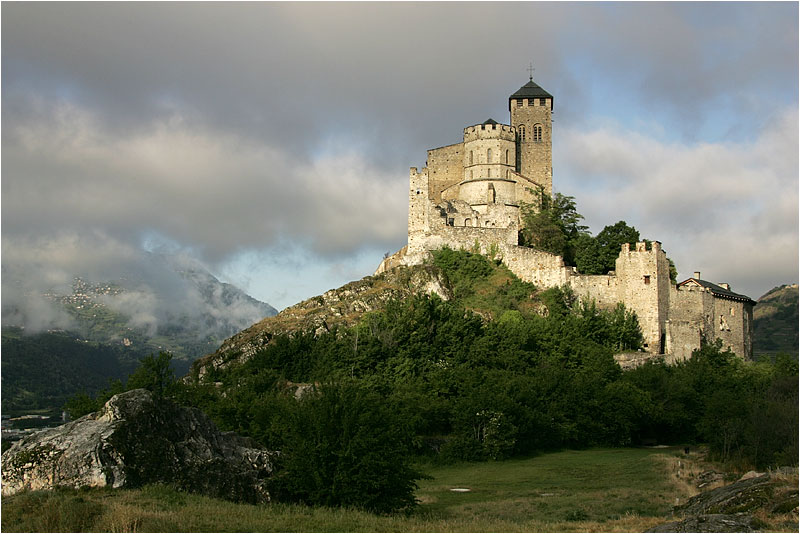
[
  {"x": 709, "y": 523},
  {"x": 742, "y": 496},
  {"x": 139, "y": 439}
]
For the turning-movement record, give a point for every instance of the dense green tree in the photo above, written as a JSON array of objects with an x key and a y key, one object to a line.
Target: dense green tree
[
  {"x": 344, "y": 446},
  {"x": 155, "y": 374},
  {"x": 552, "y": 224},
  {"x": 599, "y": 255}
]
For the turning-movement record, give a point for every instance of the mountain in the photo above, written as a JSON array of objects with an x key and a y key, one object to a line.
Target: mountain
[
  {"x": 99, "y": 330},
  {"x": 775, "y": 321}
]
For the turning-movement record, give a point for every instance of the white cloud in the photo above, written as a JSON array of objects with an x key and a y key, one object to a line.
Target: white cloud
[{"x": 727, "y": 209}]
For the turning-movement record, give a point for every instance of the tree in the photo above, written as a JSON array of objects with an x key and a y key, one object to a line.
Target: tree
[
  {"x": 154, "y": 374},
  {"x": 599, "y": 255},
  {"x": 552, "y": 225},
  {"x": 344, "y": 446}
]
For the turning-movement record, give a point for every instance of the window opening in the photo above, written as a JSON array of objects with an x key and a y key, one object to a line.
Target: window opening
[
  {"x": 647, "y": 279},
  {"x": 537, "y": 132},
  {"x": 522, "y": 132}
]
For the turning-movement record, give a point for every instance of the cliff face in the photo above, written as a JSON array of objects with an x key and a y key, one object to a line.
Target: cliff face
[
  {"x": 139, "y": 439},
  {"x": 338, "y": 307}
]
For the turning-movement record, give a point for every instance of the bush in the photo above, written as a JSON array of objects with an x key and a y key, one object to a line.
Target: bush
[{"x": 343, "y": 446}]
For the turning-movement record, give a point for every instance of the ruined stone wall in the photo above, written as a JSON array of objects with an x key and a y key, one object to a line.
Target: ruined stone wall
[
  {"x": 418, "y": 209},
  {"x": 603, "y": 289},
  {"x": 689, "y": 320},
  {"x": 445, "y": 168},
  {"x": 535, "y": 156},
  {"x": 540, "y": 268}
]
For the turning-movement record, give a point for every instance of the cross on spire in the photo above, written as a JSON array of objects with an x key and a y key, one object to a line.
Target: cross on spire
[{"x": 530, "y": 71}]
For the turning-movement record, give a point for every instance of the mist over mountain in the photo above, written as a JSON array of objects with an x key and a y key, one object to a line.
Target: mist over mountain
[{"x": 156, "y": 301}]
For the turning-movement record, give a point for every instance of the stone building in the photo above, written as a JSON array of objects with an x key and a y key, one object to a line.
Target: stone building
[{"x": 469, "y": 196}]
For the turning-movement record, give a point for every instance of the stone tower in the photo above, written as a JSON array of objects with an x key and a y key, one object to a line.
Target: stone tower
[{"x": 531, "y": 110}]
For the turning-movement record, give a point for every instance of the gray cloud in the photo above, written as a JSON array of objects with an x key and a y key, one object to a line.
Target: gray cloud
[{"x": 241, "y": 127}]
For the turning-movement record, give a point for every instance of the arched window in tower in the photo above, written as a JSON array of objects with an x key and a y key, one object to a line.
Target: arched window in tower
[
  {"x": 489, "y": 155},
  {"x": 506, "y": 162},
  {"x": 471, "y": 157},
  {"x": 537, "y": 132},
  {"x": 521, "y": 132}
]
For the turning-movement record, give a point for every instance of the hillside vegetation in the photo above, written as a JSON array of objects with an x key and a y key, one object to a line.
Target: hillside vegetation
[
  {"x": 358, "y": 386},
  {"x": 775, "y": 321}
]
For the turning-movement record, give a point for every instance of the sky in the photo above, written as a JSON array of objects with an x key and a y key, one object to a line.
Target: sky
[{"x": 271, "y": 142}]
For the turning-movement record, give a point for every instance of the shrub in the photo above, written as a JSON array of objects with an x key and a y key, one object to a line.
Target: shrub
[{"x": 343, "y": 446}]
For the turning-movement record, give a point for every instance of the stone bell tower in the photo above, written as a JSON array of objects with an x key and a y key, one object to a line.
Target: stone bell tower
[{"x": 531, "y": 110}]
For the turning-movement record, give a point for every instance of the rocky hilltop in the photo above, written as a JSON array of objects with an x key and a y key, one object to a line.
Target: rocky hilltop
[
  {"x": 338, "y": 307},
  {"x": 139, "y": 439}
]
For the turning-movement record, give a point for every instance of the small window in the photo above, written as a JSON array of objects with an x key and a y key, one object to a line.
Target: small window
[
  {"x": 450, "y": 222},
  {"x": 489, "y": 156},
  {"x": 647, "y": 279},
  {"x": 519, "y": 102},
  {"x": 471, "y": 157},
  {"x": 542, "y": 101},
  {"x": 506, "y": 157},
  {"x": 522, "y": 132},
  {"x": 531, "y": 101},
  {"x": 537, "y": 132}
]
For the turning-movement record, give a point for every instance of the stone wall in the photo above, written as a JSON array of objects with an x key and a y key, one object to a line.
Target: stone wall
[
  {"x": 445, "y": 167},
  {"x": 696, "y": 313},
  {"x": 540, "y": 268},
  {"x": 603, "y": 289}
]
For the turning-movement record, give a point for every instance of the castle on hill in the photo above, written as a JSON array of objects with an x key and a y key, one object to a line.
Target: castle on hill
[{"x": 470, "y": 193}]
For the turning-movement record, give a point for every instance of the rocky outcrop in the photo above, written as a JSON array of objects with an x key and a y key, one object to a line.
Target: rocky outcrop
[
  {"x": 139, "y": 439},
  {"x": 338, "y": 307},
  {"x": 710, "y": 523},
  {"x": 731, "y": 508}
]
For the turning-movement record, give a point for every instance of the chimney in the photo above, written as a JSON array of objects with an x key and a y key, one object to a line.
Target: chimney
[
  {"x": 724, "y": 285},
  {"x": 697, "y": 275}
]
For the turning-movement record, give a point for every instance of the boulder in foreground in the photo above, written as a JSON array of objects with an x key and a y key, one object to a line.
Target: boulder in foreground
[{"x": 139, "y": 439}]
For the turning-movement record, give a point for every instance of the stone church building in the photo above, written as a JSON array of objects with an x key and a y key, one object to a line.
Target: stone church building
[{"x": 470, "y": 193}]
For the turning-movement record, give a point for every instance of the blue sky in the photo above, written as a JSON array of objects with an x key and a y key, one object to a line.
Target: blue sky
[{"x": 272, "y": 141}]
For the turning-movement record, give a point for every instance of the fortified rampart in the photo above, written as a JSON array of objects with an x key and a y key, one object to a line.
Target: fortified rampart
[{"x": 469, "y": 197}]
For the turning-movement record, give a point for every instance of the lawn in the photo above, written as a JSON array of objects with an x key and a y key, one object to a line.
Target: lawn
[{"x": 593, "y": 490}]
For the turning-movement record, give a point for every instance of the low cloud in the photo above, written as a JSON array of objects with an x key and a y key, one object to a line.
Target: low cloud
[{"x": 215, "y": 192}]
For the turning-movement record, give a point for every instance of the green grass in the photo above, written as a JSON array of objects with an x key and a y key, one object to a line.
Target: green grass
[{"x": 594, "y": 490}]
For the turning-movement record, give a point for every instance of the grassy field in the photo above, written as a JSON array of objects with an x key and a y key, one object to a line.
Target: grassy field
[{"x": 606, "y": 490}]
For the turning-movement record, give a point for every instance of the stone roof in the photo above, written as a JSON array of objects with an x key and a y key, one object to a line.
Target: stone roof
[
  {"x": 716, "y": 290},
  {"x": 490, "y": 121},
  {"x": 530, "y": 90}
]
